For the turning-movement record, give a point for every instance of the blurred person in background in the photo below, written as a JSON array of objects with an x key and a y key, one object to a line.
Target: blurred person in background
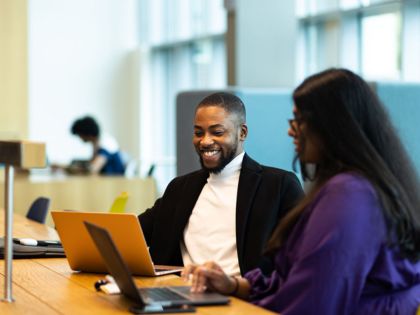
[{"x": 106, "y": 158}]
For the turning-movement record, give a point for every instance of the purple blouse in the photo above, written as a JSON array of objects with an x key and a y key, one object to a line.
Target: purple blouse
[{"x": 336, "y": 260}]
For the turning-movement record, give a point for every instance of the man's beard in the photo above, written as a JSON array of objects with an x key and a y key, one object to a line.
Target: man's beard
[{"x": 222, "y": 163}]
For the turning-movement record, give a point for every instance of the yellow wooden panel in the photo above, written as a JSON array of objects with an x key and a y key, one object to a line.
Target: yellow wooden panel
[
  {"x": 82, "y": 193},
  {"x": 13, "y": 69}
]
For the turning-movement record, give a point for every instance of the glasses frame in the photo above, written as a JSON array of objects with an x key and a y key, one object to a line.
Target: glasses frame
[{"x": 295, "y": 123}]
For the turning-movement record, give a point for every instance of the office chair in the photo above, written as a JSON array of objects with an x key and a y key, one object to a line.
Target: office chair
[
  {"x": 119, "y": 203},
  {"x": 151, "y": 170},
  {"x": 39, "y": 210}
]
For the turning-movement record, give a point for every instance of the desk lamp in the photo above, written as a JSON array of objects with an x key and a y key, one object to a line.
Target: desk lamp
[{"x": 23, "y": 154}]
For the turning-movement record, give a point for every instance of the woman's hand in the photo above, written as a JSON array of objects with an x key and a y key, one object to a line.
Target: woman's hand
[{"x": 209, "y": 276}]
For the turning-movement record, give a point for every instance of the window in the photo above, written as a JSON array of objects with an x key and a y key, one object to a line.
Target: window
[
  {"x": 381, "y": 46},
  {"x": 183, "y": 48},
  {"x": 375, "y": 38}
]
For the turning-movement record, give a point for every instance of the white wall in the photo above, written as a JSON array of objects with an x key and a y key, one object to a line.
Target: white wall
[
  {"x": 266, "y": 35},
  {"x": 82, "y": 61}
]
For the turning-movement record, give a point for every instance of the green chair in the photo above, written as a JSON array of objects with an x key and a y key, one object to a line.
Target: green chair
[{"x": 119, "y": 203}]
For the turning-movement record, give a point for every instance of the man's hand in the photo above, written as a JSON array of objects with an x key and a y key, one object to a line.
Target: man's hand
[{"x": 209, "y": 276}]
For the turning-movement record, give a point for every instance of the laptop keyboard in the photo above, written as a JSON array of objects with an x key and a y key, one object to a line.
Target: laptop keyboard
[{"x": 160, "y": 294}]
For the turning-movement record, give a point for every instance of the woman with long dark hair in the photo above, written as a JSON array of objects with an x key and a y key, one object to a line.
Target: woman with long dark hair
[{"x": 352, "y": 245}]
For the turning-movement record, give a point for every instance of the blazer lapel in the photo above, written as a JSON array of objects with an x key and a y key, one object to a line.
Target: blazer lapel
[{"x": 249, "y": 180}]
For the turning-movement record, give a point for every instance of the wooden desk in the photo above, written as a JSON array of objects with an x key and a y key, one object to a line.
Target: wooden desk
[
  {"x": 82, "y": 193},
  {"x": 48, "y": 286}
]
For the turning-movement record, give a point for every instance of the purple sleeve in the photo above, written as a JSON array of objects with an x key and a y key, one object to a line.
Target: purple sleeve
[
  {"x": 334, "y": 249},
  {"x": 262, "y": 286}
]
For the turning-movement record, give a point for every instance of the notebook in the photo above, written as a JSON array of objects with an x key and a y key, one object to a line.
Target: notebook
[
  {"x": 164, "y": 296},
  {"x": 125, "y": 229}
]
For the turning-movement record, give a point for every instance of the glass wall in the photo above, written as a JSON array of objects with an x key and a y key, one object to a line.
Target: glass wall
[
  {"x": 182, "y": 48},
  {"x": 378, "y": 39},
  {"x": 381, "y": 38}
]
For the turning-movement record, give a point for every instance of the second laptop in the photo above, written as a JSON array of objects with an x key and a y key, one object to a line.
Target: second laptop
[{"x": 125, "y": 229}]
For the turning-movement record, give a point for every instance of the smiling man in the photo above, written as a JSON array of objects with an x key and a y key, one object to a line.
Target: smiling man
[
  {"x": 219, "y": 133},
  {"x": 226, "y": 211}
]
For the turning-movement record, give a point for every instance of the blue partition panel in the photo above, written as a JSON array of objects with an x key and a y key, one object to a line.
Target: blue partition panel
[
  {"x": 267, "y": 114},
  {"x": 403, "y": 103}
]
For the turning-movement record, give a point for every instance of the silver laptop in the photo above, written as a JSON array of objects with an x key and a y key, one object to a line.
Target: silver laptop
[{"x": 160, "y": 296}]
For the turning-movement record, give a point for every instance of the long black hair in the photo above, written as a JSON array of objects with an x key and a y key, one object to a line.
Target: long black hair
[{"x": 357, "y": 135}]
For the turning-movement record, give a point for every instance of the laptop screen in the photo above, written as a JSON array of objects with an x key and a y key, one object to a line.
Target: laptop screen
[{"x": 114, "y": 262}]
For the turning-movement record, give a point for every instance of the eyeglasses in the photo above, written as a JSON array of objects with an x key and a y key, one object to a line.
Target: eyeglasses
[{"x": 295, "y": 124}]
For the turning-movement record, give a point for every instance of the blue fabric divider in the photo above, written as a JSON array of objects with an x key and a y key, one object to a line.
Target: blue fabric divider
[
  {"x": 267, "y": 115},
  {"x": 403, "y": 103}
]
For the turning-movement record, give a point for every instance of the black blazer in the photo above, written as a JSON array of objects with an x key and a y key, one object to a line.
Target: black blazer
[{"x": 265, "y": 194}]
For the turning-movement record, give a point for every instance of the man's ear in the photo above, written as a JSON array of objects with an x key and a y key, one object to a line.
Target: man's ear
[{"x": 244, "y": 132}]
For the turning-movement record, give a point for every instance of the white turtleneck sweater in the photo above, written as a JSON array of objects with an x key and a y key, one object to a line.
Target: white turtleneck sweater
[{"x": 210, "y": 234}]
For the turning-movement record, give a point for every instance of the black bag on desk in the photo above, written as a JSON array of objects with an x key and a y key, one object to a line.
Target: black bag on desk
[{"x": 27, "y": 251}]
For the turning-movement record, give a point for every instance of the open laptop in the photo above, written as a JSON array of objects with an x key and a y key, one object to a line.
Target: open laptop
[
  {"x": 164, "y": 296},
  {"x": 125, "y": 228}
]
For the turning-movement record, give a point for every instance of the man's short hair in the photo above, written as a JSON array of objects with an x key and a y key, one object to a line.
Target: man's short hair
[
  {"x": 229, "y": 102},
  {"x": 85, "y": 126}
]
